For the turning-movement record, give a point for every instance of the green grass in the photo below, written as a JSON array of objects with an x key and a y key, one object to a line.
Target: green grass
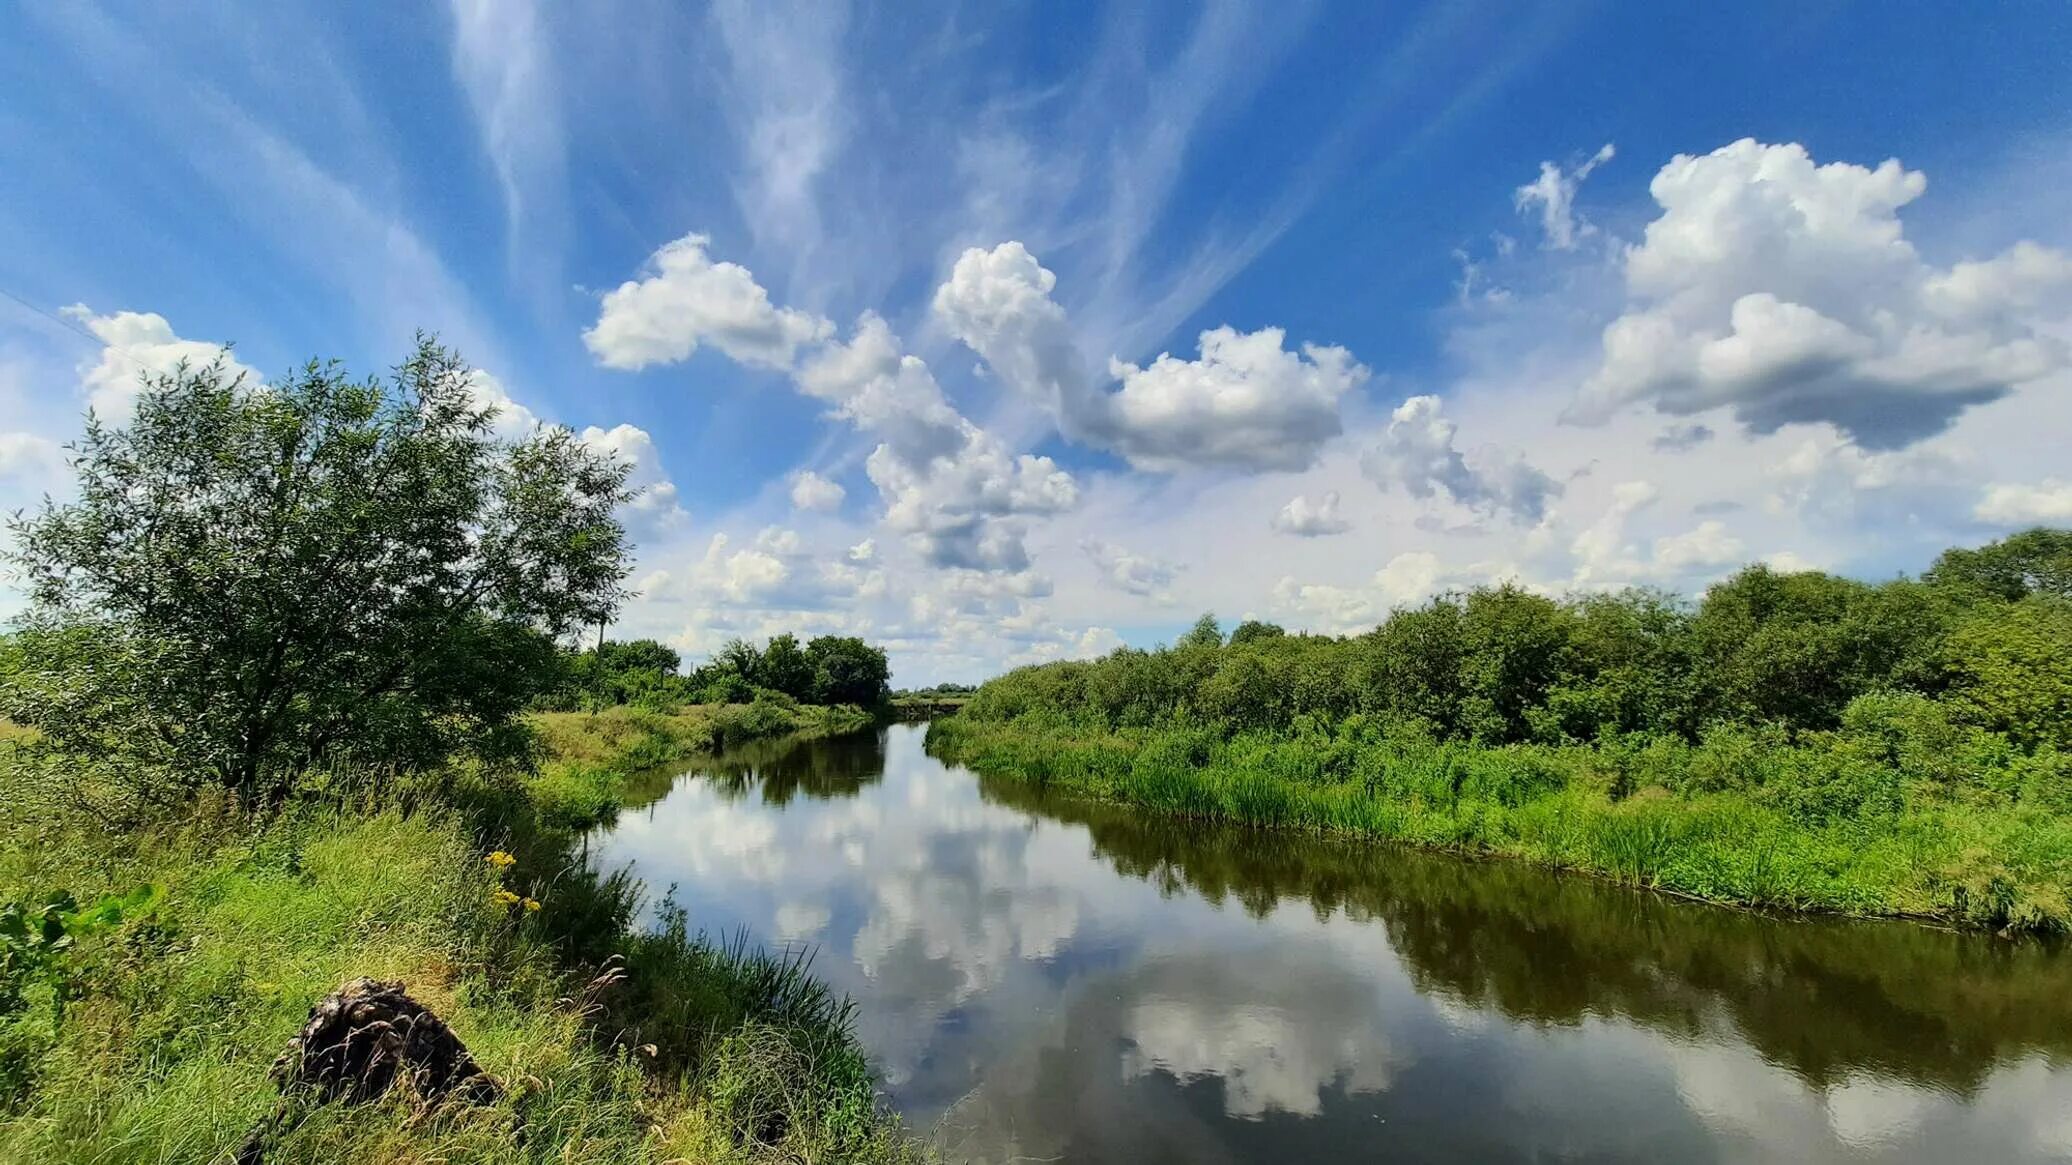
[
  {"x": 1813, "y": 831},
  {"x": 591, "y": 757},
  {"x": 150, "y": 1039}
]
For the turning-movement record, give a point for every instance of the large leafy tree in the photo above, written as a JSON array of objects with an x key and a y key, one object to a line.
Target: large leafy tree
[
  {"x": 784, "y": 667},
  {"x": 846, "y": 670},
  {"x": 259, "y": 578}
]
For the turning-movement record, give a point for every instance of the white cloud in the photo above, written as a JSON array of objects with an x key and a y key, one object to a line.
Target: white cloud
[
  {"x": 1305, "y": 520},
  {"x": 949, "y": 486},
  {"x": 139, "y": 344},
  {"x": 1788, "y": 292},
  {"x": 740, "y": 576},
  {"x": 505, "y": 65},
  {"x": 513, "y": 421},
  {"x": 810, "y": 491},
  {"x": 784, "y": 86},
  {"x": 1136, "y": 574},
  {"x": 30, "y": 459},
  {"x": 1408, "y": 578},
  {"x": 1325, "y": 607},
  {"x": 686, "y": 300},
  {"x": 2025, "y": 505},
  {"x": 864, "y": 551},
  {"x": 1554, "y": 194},
  {"x": 1709, "y": 544},
  {"x": 1247, "y": 403},
  {"x": 655, "y": 509},
  {"x": 1417, "y": 453}
]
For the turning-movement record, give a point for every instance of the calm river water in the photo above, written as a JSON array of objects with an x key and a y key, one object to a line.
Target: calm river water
[{"x": 1049, "y": 980}]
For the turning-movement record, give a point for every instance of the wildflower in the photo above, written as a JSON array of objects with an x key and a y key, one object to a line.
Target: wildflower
[
  {"x": 532, "y": 904},
  {"x": 504, "y": 897},
  {"x": 501, "y": 860}
]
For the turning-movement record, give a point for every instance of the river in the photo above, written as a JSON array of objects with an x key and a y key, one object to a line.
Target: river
[{"x": 1047, "y": 980}]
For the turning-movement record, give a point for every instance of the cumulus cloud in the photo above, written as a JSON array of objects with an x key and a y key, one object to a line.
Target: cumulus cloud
[
  {"x": 512, "y": 421},
  {"x": 31, "y": 459},
  {"x": 1787, "y": 292},
  {"x": 775, "y": 573},
  {"x": 1305, "y": 520},
  {"x": 655, "y": 508},
  {"x": 1247, "y": 402},
  {"x": 740, "y": 576},
  {"x": 686, "y": 300},
  {"x": 1709, "y": 544},
  {"x": 810, "y": 491},
  {"x": 1417, "y": 453},
  {"x": 1137, "y": 574},
  {"x": 2024, "y": 505},
  {"x": 139, "y": 344},
  {"x": 1553, "y": 195},
  {"x": 948, "y": 485},
  {"x": 1605, "y": 556},
  {"x": 1406, "y": 579}
]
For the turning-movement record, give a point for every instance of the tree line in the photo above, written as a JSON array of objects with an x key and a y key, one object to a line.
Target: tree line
[
  {"x": 1985, "y": 633},
  {"x": 827, "y": 669}
]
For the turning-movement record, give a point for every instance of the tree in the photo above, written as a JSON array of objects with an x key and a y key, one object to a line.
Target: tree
[
  {"x": 2012, "y": 670},
  {"x": 785, "y": 668},
  {"x": 1252, "y": 631},
  {"x": 255, "y": 579},
  {"x": 1514, "y": 647},
  {"x": 2033, "y": 561},
  {"x": 740, "y": 657},
  {"x": 638, "y": 655},
  {"x": 1206, "y": 632},
  {"x": 846, "y": 670}
]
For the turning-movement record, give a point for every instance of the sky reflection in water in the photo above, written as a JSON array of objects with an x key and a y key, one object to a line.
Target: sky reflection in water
[{"x": 1045, "y": 979}]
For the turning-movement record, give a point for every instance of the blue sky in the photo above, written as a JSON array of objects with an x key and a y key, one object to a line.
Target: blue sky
[{"x": 1449, "y": 293}]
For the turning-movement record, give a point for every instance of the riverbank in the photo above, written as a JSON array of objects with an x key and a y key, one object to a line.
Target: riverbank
[
  {"x": 199, "y": 938},
  {"x": 1634, "y": 816}
]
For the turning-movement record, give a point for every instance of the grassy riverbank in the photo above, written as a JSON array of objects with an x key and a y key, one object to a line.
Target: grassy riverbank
[
  {"x": 203, "y": 935},
  {"x": 1790, "y": 740},
  {"x": 590, "y": 756},
  {"x": 1558, "y": 806}
]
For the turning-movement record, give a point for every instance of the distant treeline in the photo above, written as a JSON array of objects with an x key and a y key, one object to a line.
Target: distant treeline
[
  {"x": 828, "y": 669},
  {"x": 1793, "y": 739},
  {"x": 936, "y": 692},
  {"x": 1985, "y": 632}
]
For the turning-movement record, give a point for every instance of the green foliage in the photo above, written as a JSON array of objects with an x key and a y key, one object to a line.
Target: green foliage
[
  {"x": 2011, "y": 670},
  {"x": 846, "y": 670},
  {"x": 1206, "y": 632},
  {"x": 258, "y": 580},
  {"x": 147, "y": 1019},
  {"x": 2037, "y": 561},
  {"x": 784, "y": 667},
  {"x": 1253, "y": 630},
  {"x": 1797, "y": 739}
]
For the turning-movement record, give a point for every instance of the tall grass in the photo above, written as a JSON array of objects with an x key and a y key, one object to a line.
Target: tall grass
[
  {"x": 150, "y": 1041},
  {"x": 1818, "y": 828}
]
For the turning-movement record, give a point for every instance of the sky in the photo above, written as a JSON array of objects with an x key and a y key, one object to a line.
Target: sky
[{"x": 999, "y": 333}]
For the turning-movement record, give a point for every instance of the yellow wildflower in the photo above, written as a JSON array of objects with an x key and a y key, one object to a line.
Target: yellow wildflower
[
  {"x": 501, "y": 860},
  {"x": 532, "y": 904},
  {"x": 504, "y": 897}
]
